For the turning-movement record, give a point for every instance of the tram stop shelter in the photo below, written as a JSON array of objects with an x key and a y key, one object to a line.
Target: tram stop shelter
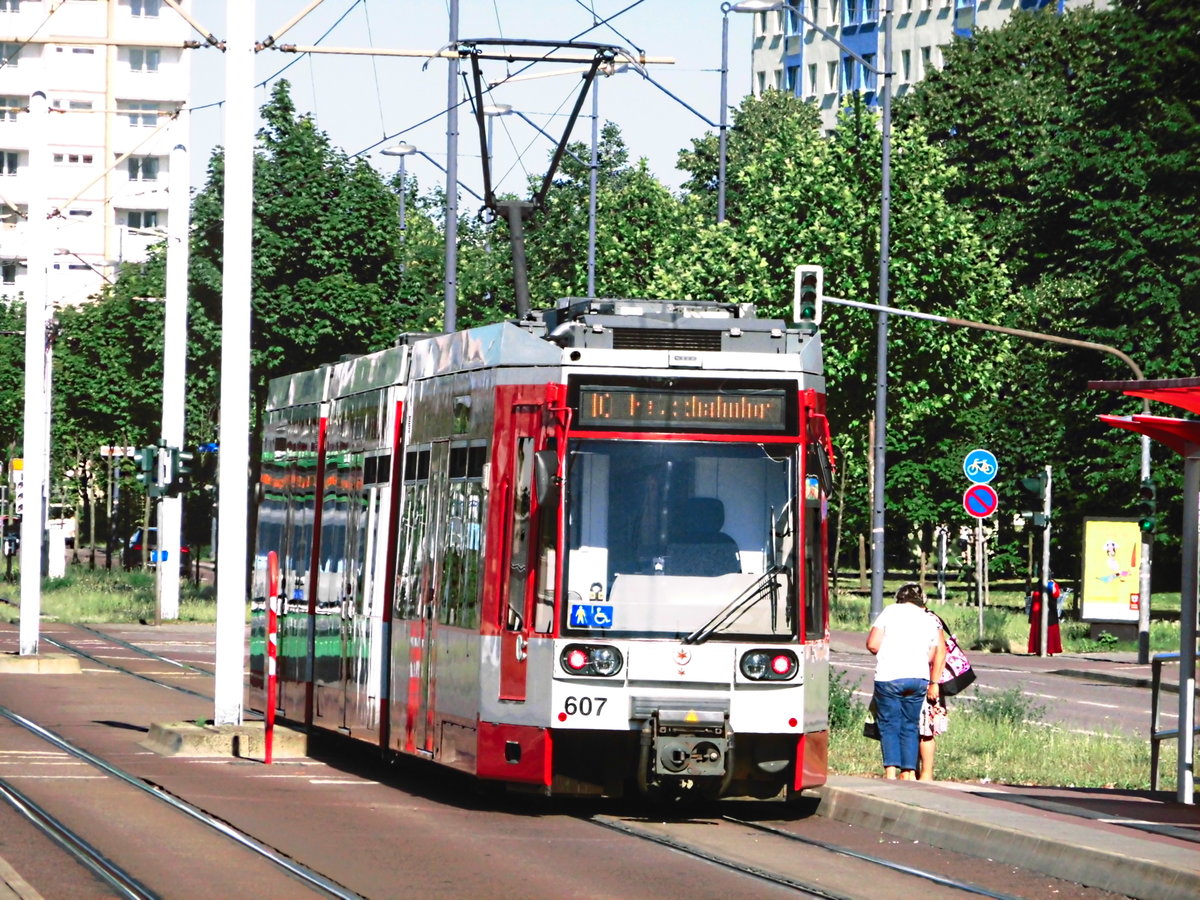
[{"x": 1182, "y": 436}]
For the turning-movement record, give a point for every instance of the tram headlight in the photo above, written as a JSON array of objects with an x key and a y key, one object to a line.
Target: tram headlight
[
  {"x": 591, "y": 659},
  {"x": 770, "y": 665}
]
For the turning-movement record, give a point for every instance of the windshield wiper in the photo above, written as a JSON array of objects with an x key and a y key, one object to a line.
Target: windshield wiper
[{"x": 764, "y": 586}]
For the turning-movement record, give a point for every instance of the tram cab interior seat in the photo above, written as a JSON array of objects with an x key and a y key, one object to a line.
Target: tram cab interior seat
[{"x": 698, "y": 545}]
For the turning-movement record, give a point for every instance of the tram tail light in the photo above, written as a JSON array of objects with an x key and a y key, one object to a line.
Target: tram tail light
[
  {"x": 591, "y": 659},
  {"x": 770, "y": 665}
]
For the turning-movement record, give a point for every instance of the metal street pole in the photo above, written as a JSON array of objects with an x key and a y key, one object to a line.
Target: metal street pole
[
  {"x": 170, "y": 509},
  {"x": 878, "y": 559},
  {"x": 450, "y": 317},
  {"x": 401, "y": 150},
  {"x": 726, "y": 8},
  {"x": 594, "y": 168},
  {"x": 34, "y": 430},
  {"x": 233, "y": 491},
  {"x": 745, "y": 6}
]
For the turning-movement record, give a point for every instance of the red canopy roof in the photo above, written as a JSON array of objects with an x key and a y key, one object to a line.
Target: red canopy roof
[{"x": 1178, "y": 434}]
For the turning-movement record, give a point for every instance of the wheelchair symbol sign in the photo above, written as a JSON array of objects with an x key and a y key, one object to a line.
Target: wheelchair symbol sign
[
  {"x": 980, "y": 466},
  {"x": 591, "y": 615}
]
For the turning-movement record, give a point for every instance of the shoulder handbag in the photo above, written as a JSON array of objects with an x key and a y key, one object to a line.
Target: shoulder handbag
[{"x": 957, "y": 673}]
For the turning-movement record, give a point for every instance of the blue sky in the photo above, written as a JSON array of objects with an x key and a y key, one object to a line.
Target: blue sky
[{"x": 364, "y": 102}]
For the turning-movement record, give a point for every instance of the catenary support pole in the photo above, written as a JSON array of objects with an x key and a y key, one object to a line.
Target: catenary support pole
[
  {"x": 233, "y": 491},
  {"x": 34, "y": 443},
  {"x": 450, "y": 316},
  {"x": 170, "y": 509}
]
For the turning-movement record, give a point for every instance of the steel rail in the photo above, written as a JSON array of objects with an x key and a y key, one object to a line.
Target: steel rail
[
  {"x": 75, "y": 846},
  {"x": 743, "y": 868},
  {"x": 307, "y": 876},
  {"x": 964, "y": 886}
]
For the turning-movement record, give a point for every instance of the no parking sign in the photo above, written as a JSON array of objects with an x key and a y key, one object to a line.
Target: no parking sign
[{"x": 980, "y": 500}]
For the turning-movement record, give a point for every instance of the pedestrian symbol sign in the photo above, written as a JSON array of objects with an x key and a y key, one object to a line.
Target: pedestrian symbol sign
[{"x": 591, "y": 615}]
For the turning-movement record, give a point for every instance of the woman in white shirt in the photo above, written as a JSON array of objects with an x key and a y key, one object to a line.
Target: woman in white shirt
[{"x": 908, "y": 651}]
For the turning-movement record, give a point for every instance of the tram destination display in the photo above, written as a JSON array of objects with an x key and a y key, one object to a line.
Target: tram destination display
[{"x": 669, "y": 409}]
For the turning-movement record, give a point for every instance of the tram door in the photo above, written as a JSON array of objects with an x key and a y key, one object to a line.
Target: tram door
[
  {"x": 426, "y": 626},
  {"x": 516, "y": 606}
]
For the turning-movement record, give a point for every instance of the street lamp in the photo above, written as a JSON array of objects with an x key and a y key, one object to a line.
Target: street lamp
[
  {"x": 745, "y": 6},
  {"x": 885, "y": 102},
  {"x": 401, "y": 150},
  {"x": 492, "y": 110}
]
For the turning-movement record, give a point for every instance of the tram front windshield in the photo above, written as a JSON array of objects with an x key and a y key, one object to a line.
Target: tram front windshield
[{"x": 681, "y": 539}]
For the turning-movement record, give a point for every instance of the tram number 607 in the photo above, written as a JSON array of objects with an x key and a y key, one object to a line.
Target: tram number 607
[{"x": 584, "y": 706}]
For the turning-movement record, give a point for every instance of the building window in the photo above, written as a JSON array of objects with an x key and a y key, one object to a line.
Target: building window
[
  {"x": 10, "y": 6},
  {"x": 926, "y": 60},
  {"x": 143, "y": 168},
  {"x": 142, "y": 218},
  {"x": 8, "y": 271},
  {"x": 141, "y": 114},
  {"x": 762, "y": 83},
  {"x": 906, "y": 65},
  {"x": 869, "y": 10},
  {"x": 9, "y": 215},
  {"x": 831, "y": 69},
  {"x": 813, "y": 88},
  {"x": 10, "y": 52},
  {"x": 75, "y": 105},
  {"x": 145, "y": 9},
  {"x": 8, "y": 162},
  {"x": 73, "y": 159},
  {"x": 79, "y": 213},
  {"x": 10, "y": 106},
  {"x": 144, "y": 59}
]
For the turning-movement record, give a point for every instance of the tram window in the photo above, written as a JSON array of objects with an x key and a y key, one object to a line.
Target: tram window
[
  {"x": 518, "y": 568},
  {"x": 458, "y": 462},
  {"x": 416, "y": 465},
  {"x": 369, "y": 465},
  {"x": 814, "y": 559},
  {"x": 476, "y": 457},
  {"x": 462, "y": 559}
]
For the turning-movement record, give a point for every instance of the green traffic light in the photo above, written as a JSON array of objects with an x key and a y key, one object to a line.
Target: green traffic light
[{"x": 1147, "y": 506}]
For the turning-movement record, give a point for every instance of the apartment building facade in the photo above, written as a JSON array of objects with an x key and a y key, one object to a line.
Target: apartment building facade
[
  {"x": 115, "y": 73},
  {"x": 789, "y": 55}
]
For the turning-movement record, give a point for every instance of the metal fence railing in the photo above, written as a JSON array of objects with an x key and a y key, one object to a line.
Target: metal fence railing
[{"x": 1157, "y": 733}]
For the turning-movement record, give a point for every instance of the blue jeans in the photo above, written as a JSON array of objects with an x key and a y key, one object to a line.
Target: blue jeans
[{"x": 898, "y": 712}]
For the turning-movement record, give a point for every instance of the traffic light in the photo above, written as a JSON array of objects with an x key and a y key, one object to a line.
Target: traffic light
[
  {"x": 180, "y": 471},
  {"x": 147, "y": 463},
  {"x": 809, "y": 294},
  {"x": 19, "y": 495},
  {"x": 1035, "y": 500},
  {"x": 1147, "y": 506}
]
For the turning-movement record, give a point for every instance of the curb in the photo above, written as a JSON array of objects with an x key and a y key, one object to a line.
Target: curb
[
  {"x": 41, "y": 664},
  {"x": 246, "y": 741},
  {"x": 1014, "y": 837}
]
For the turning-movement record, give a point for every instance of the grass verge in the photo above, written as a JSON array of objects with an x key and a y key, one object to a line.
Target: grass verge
[
  {"x": 99, "y": 596},
  {"x": 1000, "y": 737}
]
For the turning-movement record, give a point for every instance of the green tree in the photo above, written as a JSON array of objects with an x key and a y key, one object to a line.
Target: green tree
[{"x": 1075, "y": 140}]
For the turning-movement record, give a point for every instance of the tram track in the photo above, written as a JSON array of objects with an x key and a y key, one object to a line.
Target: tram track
[
  {"x": 777, "y": 865},
  {"x": 101, "y": 863}
]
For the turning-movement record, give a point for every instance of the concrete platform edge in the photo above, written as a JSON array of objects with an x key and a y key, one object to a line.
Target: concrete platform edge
[
  {"x": 246, "y": 741},
  {"x": 39, "y": 664},
  {"x": 1057, "y": 855}
]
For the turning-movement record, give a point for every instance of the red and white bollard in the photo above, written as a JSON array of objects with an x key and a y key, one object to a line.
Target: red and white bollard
[{"x": 272, "y": 646}]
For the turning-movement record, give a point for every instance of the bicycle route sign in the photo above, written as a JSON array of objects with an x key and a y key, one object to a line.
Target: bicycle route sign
[{"x": 980, "y": 466}]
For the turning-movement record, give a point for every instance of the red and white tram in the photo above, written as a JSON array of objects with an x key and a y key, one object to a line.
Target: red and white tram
[{"x": 580, "y": 553}]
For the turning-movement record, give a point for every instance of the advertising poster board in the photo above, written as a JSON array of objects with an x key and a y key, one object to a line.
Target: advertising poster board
[{"x": 1112, "y": 557}]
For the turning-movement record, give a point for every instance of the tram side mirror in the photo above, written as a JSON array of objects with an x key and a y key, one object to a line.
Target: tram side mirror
[{"x": 545, "y": 476}]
